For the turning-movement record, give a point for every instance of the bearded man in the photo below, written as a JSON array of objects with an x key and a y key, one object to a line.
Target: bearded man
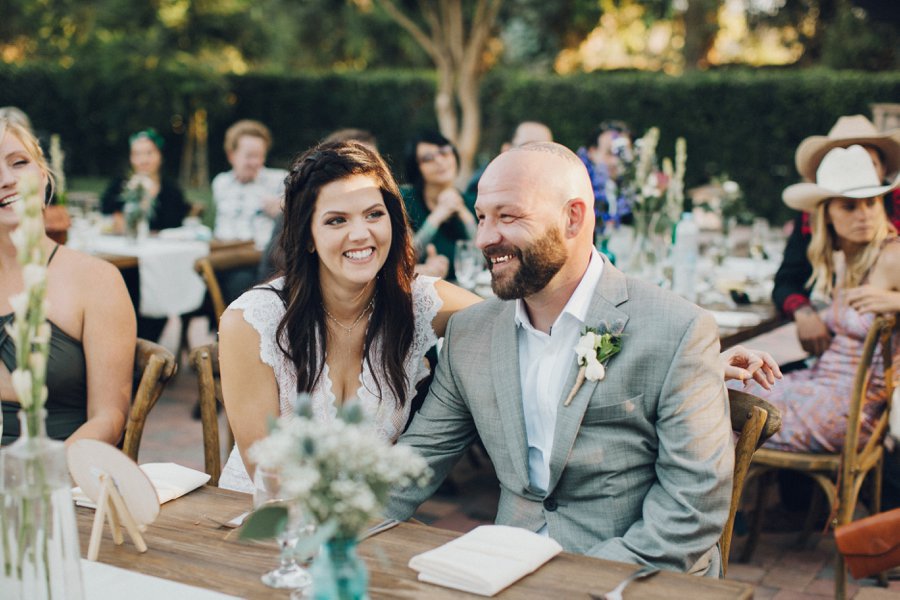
[{"x": 632, "y": 463}]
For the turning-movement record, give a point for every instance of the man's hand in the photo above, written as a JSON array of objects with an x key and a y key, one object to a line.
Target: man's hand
[
  {"x": 744, "y": 364},
  {"x": 271, "y": 205},
  {"x": 435, "y": 265},
  {"x": 814, "y": 335},
  {"x": 870, "y": 299}
]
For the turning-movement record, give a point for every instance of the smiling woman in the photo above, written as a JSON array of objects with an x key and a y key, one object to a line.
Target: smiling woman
[
  {"x": 92, "y": 323},
  {"x": 346, "y": 320}
]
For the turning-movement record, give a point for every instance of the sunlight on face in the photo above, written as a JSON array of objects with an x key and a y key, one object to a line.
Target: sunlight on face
[{"x": 15, "y": 163}]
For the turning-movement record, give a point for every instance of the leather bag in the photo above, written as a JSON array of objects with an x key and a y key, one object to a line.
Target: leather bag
[{"x": 870, "y": 545}]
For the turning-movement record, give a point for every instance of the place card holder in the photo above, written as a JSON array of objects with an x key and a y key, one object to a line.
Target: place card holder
[{"x": 122, "y": 492}]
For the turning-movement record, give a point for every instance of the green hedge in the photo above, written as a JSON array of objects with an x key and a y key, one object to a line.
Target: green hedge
[{"x": 746, "y": 123}]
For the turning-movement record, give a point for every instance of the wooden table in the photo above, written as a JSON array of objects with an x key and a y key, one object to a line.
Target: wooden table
[
  {"x": 131, "y": 262},
  {"x": 187, "y": 547},
  {"x": 771, "y": 318}
]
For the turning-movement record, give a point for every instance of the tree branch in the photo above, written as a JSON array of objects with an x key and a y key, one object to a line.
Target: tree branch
[{"x": 411, "y": 27}]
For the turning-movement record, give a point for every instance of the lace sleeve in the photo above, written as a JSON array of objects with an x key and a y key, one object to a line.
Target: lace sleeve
[
  {"x": 263, "y": 310},
  {"x": 426, "y": 304}
]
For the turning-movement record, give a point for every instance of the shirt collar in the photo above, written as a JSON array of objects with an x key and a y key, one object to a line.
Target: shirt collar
[{"x": 580, "y": 300}]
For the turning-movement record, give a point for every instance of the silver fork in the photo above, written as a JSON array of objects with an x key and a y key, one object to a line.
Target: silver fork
[{"x": 616, "y": 593}]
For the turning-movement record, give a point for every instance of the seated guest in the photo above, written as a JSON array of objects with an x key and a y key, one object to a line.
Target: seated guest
[
  {"x": 247, "y": 198},
  {"x": 438, "y": 212},
  {"x": 92, "y": 324},
  {"x": 791, "y": 293},
  {"x": 347, "y": 318},
  {"x": 168, "y": 208},
  {"x": 633, "y": 466},
  {"x": 606, "y": 150},
  {"x": 527, "y": 132},
  {"x": 848, "y": 220}
]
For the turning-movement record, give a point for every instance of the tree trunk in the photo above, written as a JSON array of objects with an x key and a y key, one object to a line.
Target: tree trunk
[{"x": 701, "y": 25}]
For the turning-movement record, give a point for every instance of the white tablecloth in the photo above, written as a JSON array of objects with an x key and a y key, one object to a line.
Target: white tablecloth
[
  {"x": 169, "y": 284},
  {"x": 105, "y": 581}
]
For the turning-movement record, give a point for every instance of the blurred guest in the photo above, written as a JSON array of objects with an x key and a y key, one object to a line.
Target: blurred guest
[
  {"x": 167, "y": 208},
  {"x": 604, "y": 155},
  {"x": 527, "y": 132},
  {"x": 439, "y": 213},
  {"x": 247, "y": 198},
  {"x": 848, "y": 220},
  {"x": 791, "y": 292},
  {"x": 92, "y": 325},
  {"x": 347, "y": 320}
]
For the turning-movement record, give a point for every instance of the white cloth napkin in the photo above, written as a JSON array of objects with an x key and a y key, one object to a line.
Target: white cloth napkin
[
  {"x": 105, "y": 581},
  {"x": 486, "y": 560},
  {"x": 736, "y": 318},
  {"x": 169, "y": 284},
  {"x": 170, "y": 480}
]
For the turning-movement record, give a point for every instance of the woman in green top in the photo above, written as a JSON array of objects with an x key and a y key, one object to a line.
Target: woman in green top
[
  {"x": 92, "y": 325},
  {"x": 439, "y": 213}
]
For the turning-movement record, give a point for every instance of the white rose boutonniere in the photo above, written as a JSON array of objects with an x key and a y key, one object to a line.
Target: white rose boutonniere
[{"x": 593, "y": 350}]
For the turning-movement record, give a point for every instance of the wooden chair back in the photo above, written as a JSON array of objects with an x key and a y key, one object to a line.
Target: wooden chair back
[
  {"x": 154, "y": 366},
  {"x": 205, "y": 362},
  {"x": 224, "y": 260},
  {"x": 755, "y": 421}
]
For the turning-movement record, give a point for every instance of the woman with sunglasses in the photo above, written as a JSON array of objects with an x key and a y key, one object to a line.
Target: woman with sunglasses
[{"x": 439, "y": 213}]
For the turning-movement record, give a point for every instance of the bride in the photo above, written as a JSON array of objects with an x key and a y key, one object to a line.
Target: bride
[{"x": 348, "y": 319}]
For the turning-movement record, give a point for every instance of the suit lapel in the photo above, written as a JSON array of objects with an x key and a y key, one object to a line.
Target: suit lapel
[
  {"x": 508, "y": 388},
  {"x": 602, "y": 315}
]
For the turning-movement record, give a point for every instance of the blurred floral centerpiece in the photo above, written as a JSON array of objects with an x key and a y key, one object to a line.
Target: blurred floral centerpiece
[
  {"x": 138, "y": 206},
  {"x": 339, "y": 474},
  {"x": 655, "y": 195}
]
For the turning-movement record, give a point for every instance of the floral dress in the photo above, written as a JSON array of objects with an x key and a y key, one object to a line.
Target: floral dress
[
  {"x": 263, "y": 310},
  {"x": 814, "y": 402}
]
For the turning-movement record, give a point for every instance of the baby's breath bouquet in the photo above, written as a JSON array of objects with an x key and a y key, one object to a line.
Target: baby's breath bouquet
[{"x": 338, "y": 474}]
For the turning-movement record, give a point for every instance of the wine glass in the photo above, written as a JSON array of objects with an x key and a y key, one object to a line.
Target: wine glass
[
  {"x": 288, "y": 574},
  {"x": 467, "y": 263}
]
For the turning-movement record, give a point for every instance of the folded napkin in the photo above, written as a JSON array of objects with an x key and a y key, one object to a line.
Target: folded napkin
[
  {"x": 736, "y": 318},
  {"x": 105, "y": 581},
  {"x": 486, "y": 560},
  {"x": 170, "y": 480}
]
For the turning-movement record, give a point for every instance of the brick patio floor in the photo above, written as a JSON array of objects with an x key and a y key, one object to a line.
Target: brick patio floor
[{"x": 778, "y": 570}]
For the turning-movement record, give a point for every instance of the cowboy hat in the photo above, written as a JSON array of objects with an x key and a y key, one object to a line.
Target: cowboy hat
[
  {"x": 855, "y": 129},
  {"x": 843, "y": 173}
]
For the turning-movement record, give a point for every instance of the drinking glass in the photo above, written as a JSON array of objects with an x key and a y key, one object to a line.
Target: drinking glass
[
  {"x": 467, "y": 262},
  {"x": 288, "y": 574}
]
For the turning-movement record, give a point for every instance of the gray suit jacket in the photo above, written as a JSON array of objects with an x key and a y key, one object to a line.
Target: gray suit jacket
[{"x": 641, "y": 464}]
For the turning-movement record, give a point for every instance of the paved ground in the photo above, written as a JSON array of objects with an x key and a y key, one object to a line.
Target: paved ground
[{"x": 778, "y": 570}]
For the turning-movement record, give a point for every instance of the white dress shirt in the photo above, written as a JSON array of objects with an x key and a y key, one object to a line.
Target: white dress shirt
[
  {"x": 544, "y": 364},
  {"x": 239, "y": 206}
]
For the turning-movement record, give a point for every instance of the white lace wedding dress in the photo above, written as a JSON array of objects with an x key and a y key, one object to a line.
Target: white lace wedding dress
[{"x": 263, "y": 310}]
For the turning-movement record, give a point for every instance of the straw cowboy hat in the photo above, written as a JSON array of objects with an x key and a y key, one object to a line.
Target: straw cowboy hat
[
  {"x": 843, "y": 173},
  {"x": 855, "y": 129}
]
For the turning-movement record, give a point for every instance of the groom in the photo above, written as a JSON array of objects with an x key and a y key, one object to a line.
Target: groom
[{"x": 637, "y": 466}]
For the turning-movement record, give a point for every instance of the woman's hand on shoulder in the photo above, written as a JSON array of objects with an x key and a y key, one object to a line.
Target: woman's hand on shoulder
[
  {"x": 453, "y": 298},
  {"x": 871, "y": 299}
]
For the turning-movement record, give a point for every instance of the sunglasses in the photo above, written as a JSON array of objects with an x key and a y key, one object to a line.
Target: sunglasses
[{"x": 432, "y": 156}]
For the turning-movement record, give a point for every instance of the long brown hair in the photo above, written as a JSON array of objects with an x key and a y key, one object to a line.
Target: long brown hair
[{"x": 301, "y": 334}]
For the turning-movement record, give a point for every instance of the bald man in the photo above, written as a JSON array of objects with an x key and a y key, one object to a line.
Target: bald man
[{"x": 635, "y": 466}]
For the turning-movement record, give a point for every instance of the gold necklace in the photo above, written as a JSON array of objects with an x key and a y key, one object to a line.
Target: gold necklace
[{"x": 349, "y": 330}]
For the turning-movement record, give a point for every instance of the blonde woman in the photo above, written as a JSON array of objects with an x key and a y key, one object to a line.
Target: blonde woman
[
  {"x": 855, "y": 257},
  {"x": 92, "y": 323}
]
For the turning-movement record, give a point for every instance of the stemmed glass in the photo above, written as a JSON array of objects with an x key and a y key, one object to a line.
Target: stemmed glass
[{"x": 288, "y": 574}]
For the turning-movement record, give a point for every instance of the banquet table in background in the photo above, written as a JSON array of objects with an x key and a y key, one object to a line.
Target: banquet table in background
[{"x": 187, "y": 545}]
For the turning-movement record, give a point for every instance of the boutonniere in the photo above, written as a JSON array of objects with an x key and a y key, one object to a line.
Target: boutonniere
[{"x": 593, "y": 349}]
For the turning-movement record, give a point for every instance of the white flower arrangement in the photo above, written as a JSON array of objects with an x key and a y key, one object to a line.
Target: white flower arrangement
[
  {"x": 29, "y": 329},
  {"x": 340, "y": 472},
  {"x": 593, "y": 350}
]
